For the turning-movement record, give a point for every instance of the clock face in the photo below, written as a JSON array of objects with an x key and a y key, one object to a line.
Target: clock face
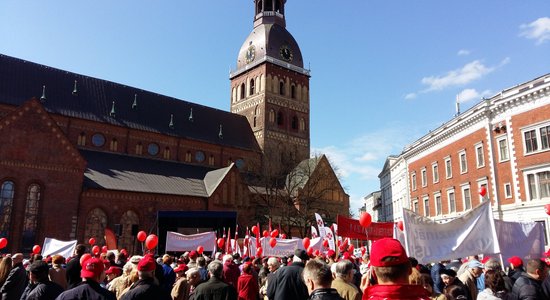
[
  {"x": 250, "y": 54},
  {"x": 285, "y": 53}
]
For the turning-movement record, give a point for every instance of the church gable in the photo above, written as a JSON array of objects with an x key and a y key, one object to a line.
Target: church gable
[
  {"x": 31, "y": 138},
  {"x": 226, "y": 188}
]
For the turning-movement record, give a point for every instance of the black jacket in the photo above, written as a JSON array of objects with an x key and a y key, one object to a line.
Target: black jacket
[
  {"x": 287, "y": 283},
  {"x": 514, "y": 274},
  {"x": 215, "y": 289},
  {"x": 528, "y": 288},
  {"x": 145, "y": 289},
  {"x": 15, "y": 283},
  {"x": 73, "y": 269},
  {"x": 325, "y": 294},
  {"x": 89, "y": 290},
  {"x": 46, "y": 290}
]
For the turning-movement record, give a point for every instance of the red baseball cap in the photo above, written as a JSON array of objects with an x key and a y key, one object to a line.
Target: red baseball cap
[
  {"x": 92, "y": 267},
  {"x": 113, "y": 270},
  {"x": 516, "y": 261},
  {"x": 387, "y": 247},
  {"x": 181, "y": 268},
  {"x": 147, "y": 263},
  {"x": 193, "y": 254}
]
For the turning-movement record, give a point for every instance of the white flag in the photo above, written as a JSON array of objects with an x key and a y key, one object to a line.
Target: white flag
[
  {"x": 330, "y": 238},
  {"x": 53, "y": 246},
  {"x": 320, "y": 225},
  {"x": 314, "y": 233}
]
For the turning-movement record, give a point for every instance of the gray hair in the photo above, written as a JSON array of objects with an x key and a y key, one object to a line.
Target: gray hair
[
  {"x": 192, "y": 272},
  {"x": 493, "y": 264},
  {"x": 227, "y": 257},
  {"x": 127, "y": 268},
  {"x": 216, "y": 268},
  {"x": 343, "y": 267},
  {"x": 274, "y": 262}
]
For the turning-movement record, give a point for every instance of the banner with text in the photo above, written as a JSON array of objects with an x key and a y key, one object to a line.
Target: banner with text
[
  {"x": 284, "y": 247},
  {"x": 523, "y": 239},
  {"x": 181, "y": 242},
  {"x": 351, "y": 228},
  {"x": 63, "y": 248},
  {"x": 470, "y": 234}
]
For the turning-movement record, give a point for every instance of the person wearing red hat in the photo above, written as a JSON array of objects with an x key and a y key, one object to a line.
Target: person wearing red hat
[
  {"x": 516, "y": 268},
  {"x": 112, "y": 273},
  {"x": 247, "y": 285},
  {"x": 392, "y": 268},
  {"x": 92, "y": 274},
  {"x": 146, "y": 287},
  {"x": 181, "y": 288}
]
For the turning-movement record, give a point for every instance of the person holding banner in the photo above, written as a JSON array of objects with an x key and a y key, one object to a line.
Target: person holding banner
[{"x": 392, "y": 268}]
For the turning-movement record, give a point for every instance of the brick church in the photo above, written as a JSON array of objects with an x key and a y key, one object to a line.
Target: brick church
[{"x": 80, "y": 154}]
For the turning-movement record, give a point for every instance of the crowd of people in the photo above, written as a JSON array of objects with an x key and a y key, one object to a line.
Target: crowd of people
[{"x": 387, "y": 273}]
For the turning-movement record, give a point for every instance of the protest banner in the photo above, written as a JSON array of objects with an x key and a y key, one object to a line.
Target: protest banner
[
  {"x": 351, "y": 228},
  {"x": 52, "y": 246},
  {"x": 181, "y": 242},
  {"x": 522, "y": 239}
]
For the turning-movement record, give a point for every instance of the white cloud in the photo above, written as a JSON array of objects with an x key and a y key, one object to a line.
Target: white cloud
[
  {"x": 537, "y": 30},
  {"x": 471, "y": 94},
  {"x": 470, "y": 72},
  {"x": 463, "y": 52},
  {"x": 410, "y": 96}
]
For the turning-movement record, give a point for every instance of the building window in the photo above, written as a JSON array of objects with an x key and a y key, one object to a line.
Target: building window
[
  {"x": 211, "y": 160},
  {"x": 81, "y": 139},
  {"x": 448, "y": 168},
  {"x": 545, "y": 233},
  {"x": 6, "y": 203},
  {"x": 545, "y": 137},
  {"x": 538, "y": 185},
  {"x": 114, "y": 145},
  {"x": 415, "y": 206},
  {"x": 280, "y": 119},
  {"x": 139, "y": 148},
  {"x": 153, "y": 149},
  {"x": 463, "y": 162},
  {"x": 302, "y": 124},
  {"x": 128, "y": 220},
  {"x": 98, "y": 140},
  {"x": 427, "y": 207},
  {"x": 537, "y": 139},
  {"x": 271, "y": 116},
  {"x": 96, "y": 221},
  {"x": 188, "y": 156},
  {"x": 166, "y": 153},
  {"x": 503, "y": 154},
  {"x": 452, "y": 201},
  {"x": 466, "y": 197},
  {"x": 413, "y": 181},
  {"x": 508, "y": 190},
  {"x": 281, "y": 88},
  {"x": 438, "y": 204},
  {"x": 251, "y": 86},
  {"x": 243, "y": 91},
  {"x": 199, "y": 156},
  {"x": 30, "y": 219},
  {"x": 480, "y": 159},
  {"x": 424, "y": 177},
  {"x": 295, "y": 123},
  {"x": 435, "y": 172},
  {"x": 293, "y": 91}
]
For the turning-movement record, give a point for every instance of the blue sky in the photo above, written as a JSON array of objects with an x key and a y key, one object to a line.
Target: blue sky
[{"x": 384, "y": 73}]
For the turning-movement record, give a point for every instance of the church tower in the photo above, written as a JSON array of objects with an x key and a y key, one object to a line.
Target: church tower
[{"x": 271, "y": 87}]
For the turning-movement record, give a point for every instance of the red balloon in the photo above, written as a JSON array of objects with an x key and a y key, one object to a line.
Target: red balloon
[
  {"x": 309, "y": 251},
  {"x": 272, "y": 242},
  {"x": 36, "y": 249},
  {"x": 141, "y": 236},
  {"x": 91, "y": 241},
  {"x": 151, "y": 241},
  {"x": 400, "y": 225},
  {"x": 546, "y": 209},
  {"x": 84, "y": 258},
  {"x": 259, "y": 251},
  {"x": 104, "y": 249},
  {"x": 266, "y": 233},
  {"x": 96, "y": 249},
  {"x": 317, "y": 252},
  {"x": 351, "y": 248},
  {"x": 306, "y": 241},
  {"x": 325, "y": 243},
  {"x": 200, "y": 249},
  {"x": 3, "y": 243},
  {"x": 275, "y": 233},
  {"x": 365, "y": 220},
  {"x": 221, "y": 242},
  {"x": 283, "y": 236},
  {"x": 255, "y": 230},
  {"x": 483, "y": 191}
]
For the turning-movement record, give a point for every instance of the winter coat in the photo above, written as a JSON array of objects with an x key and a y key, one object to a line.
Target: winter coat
[
  {"x": 396, "y": 292},
  {"x": 288, "y": 283},
  {"x": 325, "y": 294}
]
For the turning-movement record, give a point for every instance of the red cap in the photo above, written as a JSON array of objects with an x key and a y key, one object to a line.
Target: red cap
[
  {"x": 485, "y": 259},
  {"x": 331, "y": 253},
  {"x": 181, "y": 268},
  {"x": 387, "y": 247},
  {"x": 92, "y": 267},
  {"x": 114, "y": 270},
  {"x": 147, "y": 263},
  {"x": 193, "y": 254},
  {"x": 516, "y": 261}
]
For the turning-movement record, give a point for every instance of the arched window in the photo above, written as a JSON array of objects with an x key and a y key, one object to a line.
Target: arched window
[
  {"x": 81, "y": 139},
  {"x": 30, "y": 220},
  {"x": 293, "y": 91},
  {"x": 302, "y": 124},
  {"x": 211, "y": 160},
  {"x": 280, "y": 119},
  {"x": 243, "y": 91},
  {"x": 251, "y": 87},
  {"x": 166, "y": 153},
  {"x": 271, "y": 116},
  {"x": 281, "y": 88},
  {"x": 126, "y": 239},
  {"x": 295, "y": 122},
  {"x": 96, "y": 221},
  {"x": 139, "y": 148},
  {"x": 114, "y": 145},
  {"x": 6, "y": 203}
]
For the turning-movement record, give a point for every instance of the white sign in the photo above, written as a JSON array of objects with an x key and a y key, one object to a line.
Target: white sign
[
  {"x": 181, "y": 242},
  {"x": 284, "y": 247},
  {"x": 63, "y": 248}
]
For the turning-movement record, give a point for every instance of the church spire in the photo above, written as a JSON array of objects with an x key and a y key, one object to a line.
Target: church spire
[{"x": 269, "y": 12}]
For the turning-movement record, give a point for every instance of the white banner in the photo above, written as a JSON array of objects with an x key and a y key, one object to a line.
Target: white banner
[
  {"x": 320, "y": 225},
  {"x": 472, "y": 233},
  {"x": 181, "y": 242},
  {"x": 284, "y": 247},
  {"x": 330, "y": 238},
  {"x": 63, "y": 248},
  {"x": 314, "y": 233},
  {"x": 525, "y": 240}
]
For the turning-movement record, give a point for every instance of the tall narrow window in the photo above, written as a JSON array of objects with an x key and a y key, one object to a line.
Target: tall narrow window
[
  {"x": 280, "y": 119},
  {"x": 435, "y": 172},
  {"x": 532, "y": 187},
  {"x": 295, "y": 122},
  {"x": 448, "y": 168},
  {"x": 480, "y": 159},
  {"x": 452, "y": 201},
  {"x": 30, "y": 220},
  {"x": 503, "y": 149},
  {"x": 114, "y": 145},
  {"x": 271, "y": 116},
  {"x": 507, "y": 190},
  {"x": 545, "y": 137},
  {"x": 438, "y": 205},
  {"x": 211, "y": 160},
  {"x": 413, "y": 181},
  {"x": 166, "y": 153},
  {"x": 6, "y": 203},
  {"x": 96, "y": 221},
  {"x": 281, "y": 88},
  {"x": 188, "y": 156},
  {"x": 243, "y": 91},
  {"x": 415, "y": 206},
  {"x": 81, "y": 139},
  {"x": 139, "y": 148},
  {"x": 424, "y": 177},
  {"x": 463, "y": 162},
  {"x": 252, "y": 87},
  {"x": 530, "y": 141},
  {"x": 293, "y": 91},
  {"x": 302, "y": 124},
  {"x": 427, "y": 207},
  {"x": 467, "y": 198}
]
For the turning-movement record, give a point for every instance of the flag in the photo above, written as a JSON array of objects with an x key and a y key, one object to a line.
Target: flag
[
  {"x": 236, "y": 246},
  {"x": 314, "y": 233},
  {"x": 228, "y": 249},
  {"x": 320, "y": 225},
  {"x": 258, "y": 237}
]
